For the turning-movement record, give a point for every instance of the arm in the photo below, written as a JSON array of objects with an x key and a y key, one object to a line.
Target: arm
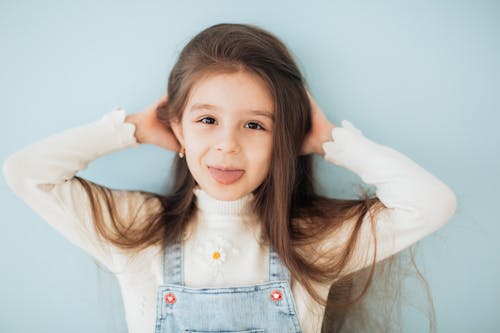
[
  {"x": 41, "y": 174},
  {"x": 416, "y": 202}
]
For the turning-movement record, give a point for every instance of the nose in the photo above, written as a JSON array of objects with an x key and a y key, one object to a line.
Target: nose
[{"x": 228, "y": 141}]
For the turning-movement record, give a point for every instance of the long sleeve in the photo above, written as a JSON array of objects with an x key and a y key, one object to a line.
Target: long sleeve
[
  {"x": 416, "y": 202},
  {"x": 42, "y": 175}
]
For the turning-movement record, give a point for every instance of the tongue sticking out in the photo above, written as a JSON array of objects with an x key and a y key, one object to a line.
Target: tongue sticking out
[{"x": 226, "y": 177}]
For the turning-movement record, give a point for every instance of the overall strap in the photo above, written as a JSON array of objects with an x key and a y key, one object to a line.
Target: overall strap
[
  {"x": 172, "y": 264},
  {"x": 277, "y": 270}
]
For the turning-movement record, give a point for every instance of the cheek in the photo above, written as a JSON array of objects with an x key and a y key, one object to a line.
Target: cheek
[
  {"x": 195, "y": 167},
  {"x": 195, "y": 155},
  {"x": 194, "y": 143},
  {"x": 261, "y": 158}
]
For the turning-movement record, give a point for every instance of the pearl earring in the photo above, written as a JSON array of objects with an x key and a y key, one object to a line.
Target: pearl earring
[{"x": 181, "y": 153}]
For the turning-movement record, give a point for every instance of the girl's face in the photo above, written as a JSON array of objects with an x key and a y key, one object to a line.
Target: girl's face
[{"x": 228, "y": 124}]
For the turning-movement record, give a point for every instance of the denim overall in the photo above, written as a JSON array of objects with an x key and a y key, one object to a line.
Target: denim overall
[{"x": 267, "y": 307}]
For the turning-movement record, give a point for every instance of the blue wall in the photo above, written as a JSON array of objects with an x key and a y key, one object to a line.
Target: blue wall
[{"x": 422, "y": 77}]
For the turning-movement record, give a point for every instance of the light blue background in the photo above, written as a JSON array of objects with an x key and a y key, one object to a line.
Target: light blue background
[{"x": 420, "y": 76}]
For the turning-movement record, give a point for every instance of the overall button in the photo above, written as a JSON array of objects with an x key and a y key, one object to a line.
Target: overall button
[
  {"x": 276, "y": 295},
  {"x": 170, "y": 298}
]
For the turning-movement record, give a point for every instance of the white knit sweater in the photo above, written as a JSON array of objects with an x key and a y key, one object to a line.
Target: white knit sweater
[{"x": 41, "y": 175}]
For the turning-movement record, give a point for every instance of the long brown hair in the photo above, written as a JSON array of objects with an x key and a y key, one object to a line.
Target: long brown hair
[{"x": 295, "y": 218}]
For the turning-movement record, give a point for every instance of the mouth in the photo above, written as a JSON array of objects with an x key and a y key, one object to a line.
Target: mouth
[{"x": 225, "y": 175}]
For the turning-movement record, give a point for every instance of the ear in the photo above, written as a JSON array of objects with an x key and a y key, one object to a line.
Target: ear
[{"x": 177, "y": 129}]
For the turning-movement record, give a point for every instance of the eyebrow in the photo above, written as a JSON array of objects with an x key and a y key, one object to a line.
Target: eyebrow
[{"x": 206, "y": 106}]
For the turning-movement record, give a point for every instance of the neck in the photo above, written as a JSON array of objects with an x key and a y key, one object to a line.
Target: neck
[{"x": 209, "y": 205}]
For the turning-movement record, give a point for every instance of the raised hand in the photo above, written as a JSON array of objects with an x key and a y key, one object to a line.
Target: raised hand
[
  {"x": 150, "y": 130},
  {"x": 321, "y": 129}
]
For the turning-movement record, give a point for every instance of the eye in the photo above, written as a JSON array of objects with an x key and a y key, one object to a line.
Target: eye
[
  {"x": 201, "y": 120},
  {"x": 254, "y": 123}
]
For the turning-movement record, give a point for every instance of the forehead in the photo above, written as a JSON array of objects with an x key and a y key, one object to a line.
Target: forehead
[{"x": 231, "y": 91}]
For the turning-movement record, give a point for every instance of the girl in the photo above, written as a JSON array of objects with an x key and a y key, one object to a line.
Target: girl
[{"x": 242, "y": 242}]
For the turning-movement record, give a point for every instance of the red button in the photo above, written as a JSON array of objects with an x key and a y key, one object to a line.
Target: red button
[
  {"x": 170, "y": 298},
  {"x": 276, "y": 295}
]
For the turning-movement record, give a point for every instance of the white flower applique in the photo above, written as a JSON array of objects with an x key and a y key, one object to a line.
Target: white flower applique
[{"x": 215, "y": 252}]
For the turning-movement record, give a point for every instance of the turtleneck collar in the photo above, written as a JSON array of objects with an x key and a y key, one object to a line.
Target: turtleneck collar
[{"x": 209, "y": 205}]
